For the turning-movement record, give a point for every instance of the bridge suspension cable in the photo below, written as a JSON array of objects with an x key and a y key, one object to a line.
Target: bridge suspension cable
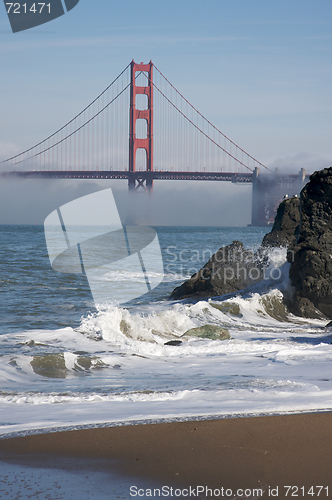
[
  {"x": 214, "y": 128},
  {"x": 97, "y": 137},
  {"x": 72, "y": 120}
]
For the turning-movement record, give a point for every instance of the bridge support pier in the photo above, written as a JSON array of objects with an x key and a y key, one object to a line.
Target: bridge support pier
[
  {"x": 131, "y": 182},
  {"x": 255, "y": 204},
  {"x": 269, "y": 190},
  {"x": 137, "y": 180}
]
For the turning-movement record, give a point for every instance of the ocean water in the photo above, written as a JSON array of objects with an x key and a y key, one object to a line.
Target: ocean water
[{"x": 66, "y": 362}]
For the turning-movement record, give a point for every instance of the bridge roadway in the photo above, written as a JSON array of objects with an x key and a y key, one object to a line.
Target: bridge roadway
[{"x": 234, "y": 177}]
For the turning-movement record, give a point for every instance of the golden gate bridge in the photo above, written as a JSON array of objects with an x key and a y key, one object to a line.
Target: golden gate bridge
[{"x": 163, "y": 137}]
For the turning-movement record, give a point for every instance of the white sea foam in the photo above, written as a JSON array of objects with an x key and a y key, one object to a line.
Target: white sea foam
[{"x": 115, "y": 365}]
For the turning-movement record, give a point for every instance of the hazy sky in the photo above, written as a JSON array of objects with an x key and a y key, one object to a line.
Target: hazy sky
[{"x": 259, "y": 70}]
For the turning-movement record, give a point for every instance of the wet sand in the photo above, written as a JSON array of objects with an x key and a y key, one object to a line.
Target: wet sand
[{"x": 237, "y": 453}]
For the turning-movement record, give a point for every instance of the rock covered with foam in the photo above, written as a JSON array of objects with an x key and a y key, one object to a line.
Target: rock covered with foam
[{"x": 212, "y": 332}]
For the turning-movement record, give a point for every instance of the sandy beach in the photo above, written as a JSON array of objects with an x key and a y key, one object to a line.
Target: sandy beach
[{"x": 237, "y": 454}]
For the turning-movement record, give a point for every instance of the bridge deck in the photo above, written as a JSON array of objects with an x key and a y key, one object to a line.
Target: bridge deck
[
  {"x": 146, "y": 175},
  {"x": 125, "y": 174}
]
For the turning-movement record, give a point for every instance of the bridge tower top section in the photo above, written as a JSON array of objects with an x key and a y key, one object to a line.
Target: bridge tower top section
[{"x": 141, "y": 114}]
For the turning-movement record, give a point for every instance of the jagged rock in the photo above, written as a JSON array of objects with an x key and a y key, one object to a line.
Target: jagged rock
[
  {"x": 311, "y": 257},
  {"x": 233, "y": 268},
  {"x": 286, "y": 224},
  {"x": 230, "y": 269},
  {"x": 301, "y": 306},
  {"x": 305, "y": 226},
  {"x": 212, "y": 332}
]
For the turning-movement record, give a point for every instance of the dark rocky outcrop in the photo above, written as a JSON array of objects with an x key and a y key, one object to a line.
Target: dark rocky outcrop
[
  {"x": 286, "y": 224},
  {"x": 311, "y": 257},
  {"x": 230, "y": 269},
  {"x": 303, "y": 225},
  {"x": 233, "y": 268}
]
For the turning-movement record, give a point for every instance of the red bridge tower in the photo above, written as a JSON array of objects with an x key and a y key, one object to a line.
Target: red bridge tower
[{"x": 141, "y": 114}]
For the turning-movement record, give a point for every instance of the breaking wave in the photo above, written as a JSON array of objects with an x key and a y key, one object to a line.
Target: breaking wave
[{"x": 260, "y": 304}]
